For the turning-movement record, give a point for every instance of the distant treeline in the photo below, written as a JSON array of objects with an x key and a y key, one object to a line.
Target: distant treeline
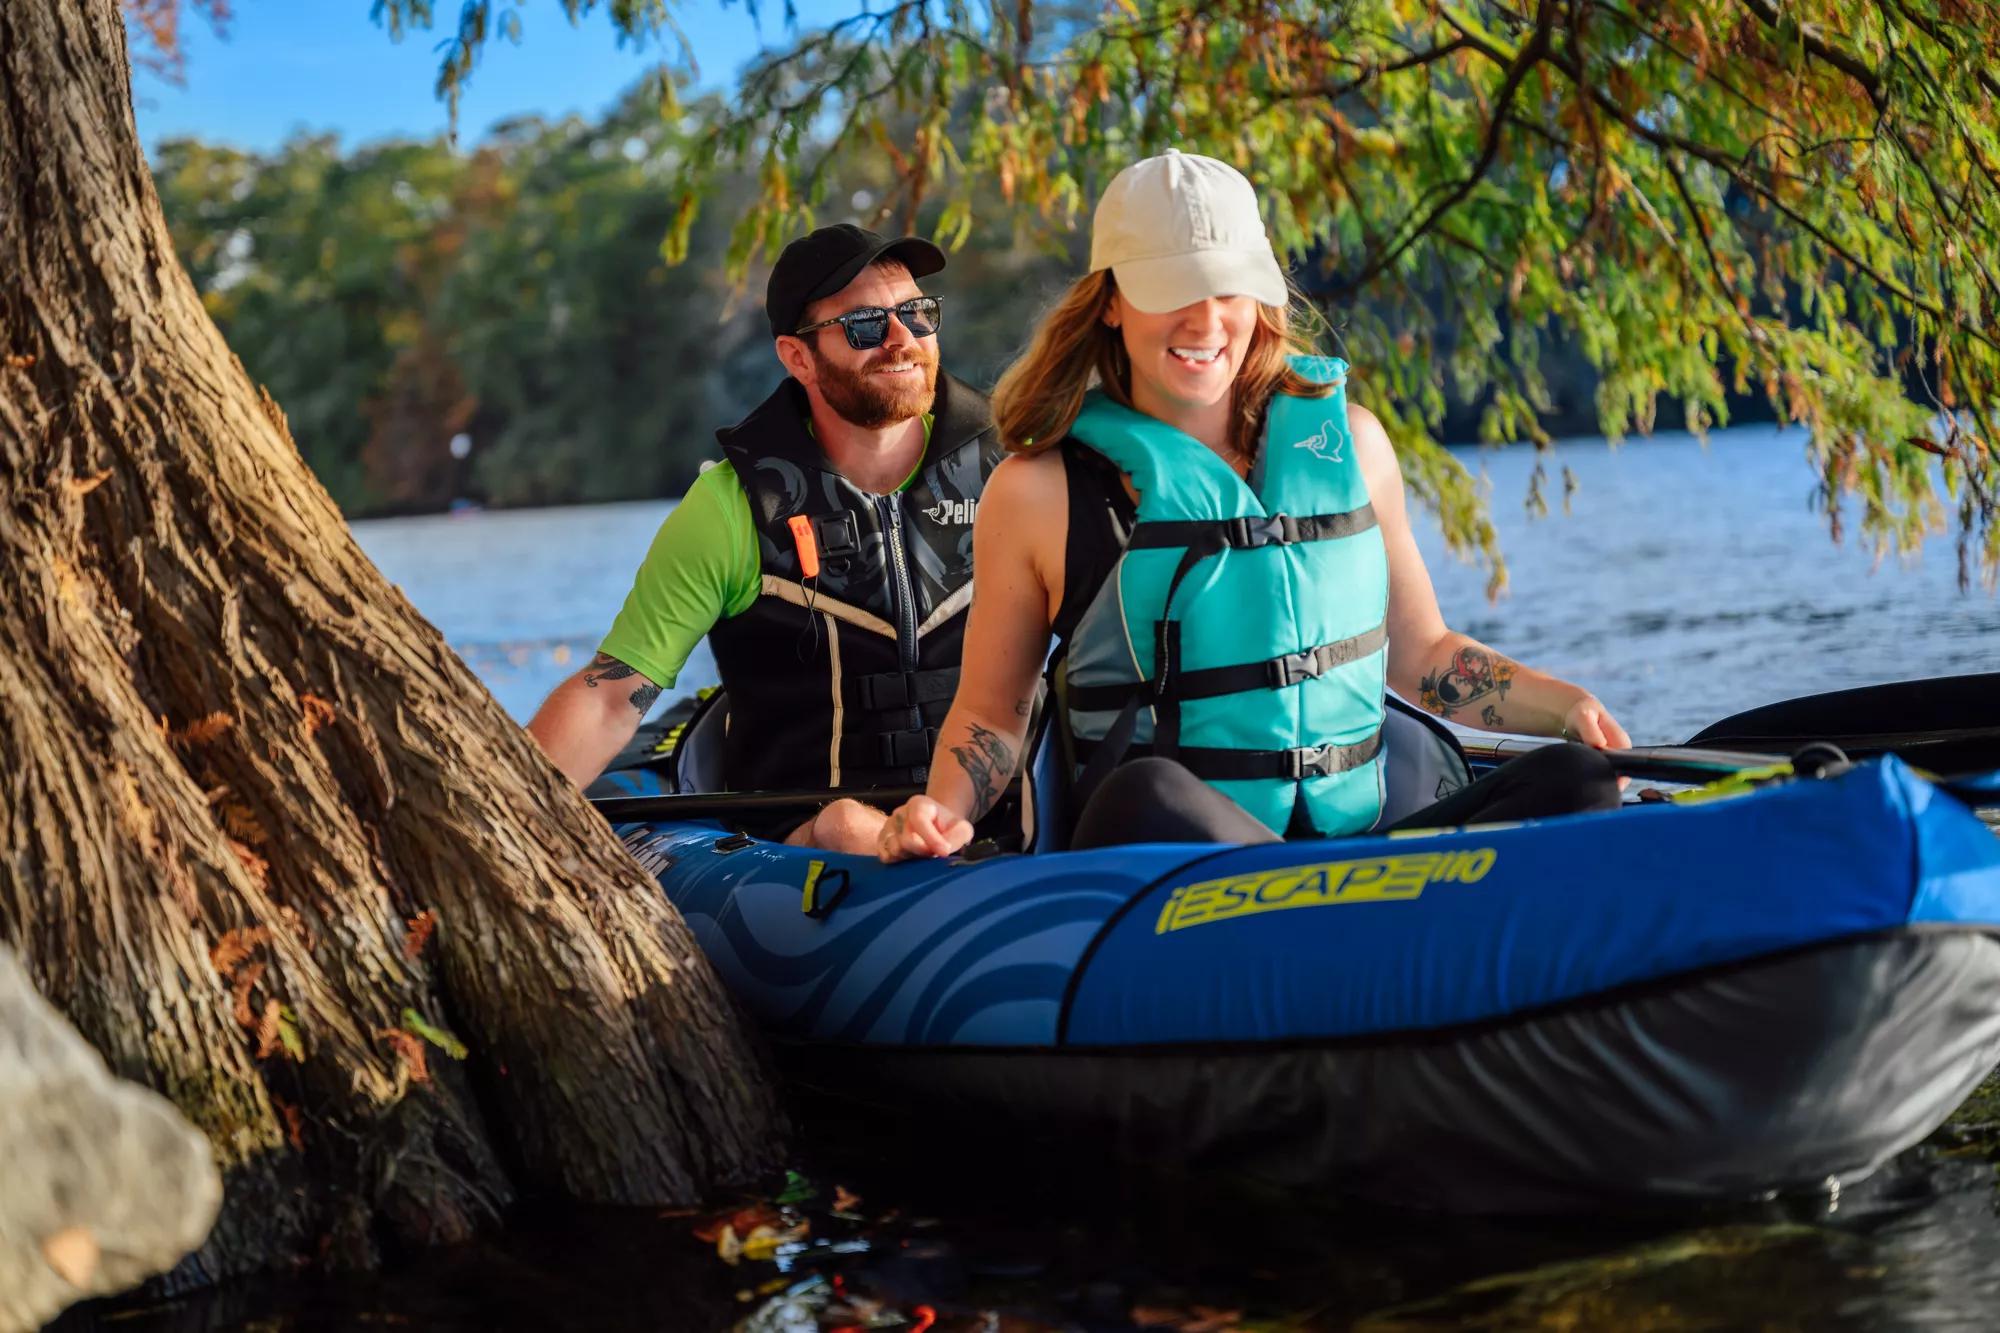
[{"x": 399, "y": 294}]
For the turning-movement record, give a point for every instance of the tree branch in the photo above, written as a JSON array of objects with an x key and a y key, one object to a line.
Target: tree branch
[
  {"x": 1847, "y": 63},
  {"x": 1532, "y": 53},
  {"x": 1662, "y": 139}
]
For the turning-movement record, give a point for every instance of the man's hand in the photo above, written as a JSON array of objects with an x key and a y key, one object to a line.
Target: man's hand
[
  {"x": 1590, "y": 723},
  {"x": 922, "y": 827}
]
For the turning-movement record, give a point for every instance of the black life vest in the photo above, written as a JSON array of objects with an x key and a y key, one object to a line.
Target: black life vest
[{"x": 841, "y": 681}]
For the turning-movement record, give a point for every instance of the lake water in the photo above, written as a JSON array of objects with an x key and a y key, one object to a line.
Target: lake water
[{"x": 1686, "y": 583}]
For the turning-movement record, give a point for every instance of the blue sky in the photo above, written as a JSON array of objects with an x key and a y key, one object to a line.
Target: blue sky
[{"x": 288, "y": 65}]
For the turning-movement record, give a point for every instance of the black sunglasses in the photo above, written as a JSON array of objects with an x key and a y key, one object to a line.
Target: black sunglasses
[{"x": 866, "y": 326}]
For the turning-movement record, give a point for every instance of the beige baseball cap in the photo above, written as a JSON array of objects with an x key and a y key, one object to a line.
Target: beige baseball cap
[{"x": 1180, "y": 228}]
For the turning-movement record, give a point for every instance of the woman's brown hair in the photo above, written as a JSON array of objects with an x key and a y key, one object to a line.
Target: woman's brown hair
[{"x": 1073, "y": 350}]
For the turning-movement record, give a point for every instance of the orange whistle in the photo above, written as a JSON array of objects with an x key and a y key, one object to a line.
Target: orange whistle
[{"x": 802, "y": 538}]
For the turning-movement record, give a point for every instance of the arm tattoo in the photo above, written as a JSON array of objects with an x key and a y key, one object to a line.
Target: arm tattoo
[
  {"x": 1473, "y": 674},
  {"x": 989, "y": 762},
  {"x": 1490, "y": 716},
  {"x": 606, "y": 667},
  {"x": 1024, "y": 707}
]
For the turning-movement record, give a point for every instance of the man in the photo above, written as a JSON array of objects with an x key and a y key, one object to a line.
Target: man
[{"x": 828, "y": 557}]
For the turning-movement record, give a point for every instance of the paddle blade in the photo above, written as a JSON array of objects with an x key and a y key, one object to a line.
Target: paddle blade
[{"x": 1946, "y": 724}]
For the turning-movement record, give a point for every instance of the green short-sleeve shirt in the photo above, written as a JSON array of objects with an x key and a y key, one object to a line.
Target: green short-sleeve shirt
[{"x": 702, "y": 567}]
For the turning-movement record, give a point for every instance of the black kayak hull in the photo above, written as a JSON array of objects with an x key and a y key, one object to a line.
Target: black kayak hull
[{"x": 1792, "y": 1073}]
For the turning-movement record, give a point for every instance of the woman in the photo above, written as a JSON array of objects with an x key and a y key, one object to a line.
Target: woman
[{"x": 1219, "y": 541}]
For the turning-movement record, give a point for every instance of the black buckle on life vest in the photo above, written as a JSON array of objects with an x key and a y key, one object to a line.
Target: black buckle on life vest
[
  {"x": 1272, "y": 530},
  {"x": 837, "y": 535},
  {"x": 905, "y": 689}
]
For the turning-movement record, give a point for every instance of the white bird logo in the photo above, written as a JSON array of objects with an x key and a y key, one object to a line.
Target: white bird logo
[{"x": 1322, "y": 444}]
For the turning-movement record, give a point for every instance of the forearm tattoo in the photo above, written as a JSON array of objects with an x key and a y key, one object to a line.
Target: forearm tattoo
[
  {"x": 989, "y": 762},
  {"x": 1473, "y": 675},
  {"x": 606, "y": 667}
]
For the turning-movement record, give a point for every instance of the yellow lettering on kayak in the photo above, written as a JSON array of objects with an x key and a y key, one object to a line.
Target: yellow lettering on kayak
[{"x": 1374, "y": 879}]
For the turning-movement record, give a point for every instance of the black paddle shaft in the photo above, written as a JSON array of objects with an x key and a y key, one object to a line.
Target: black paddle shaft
[{"x": 724, "y": 804}]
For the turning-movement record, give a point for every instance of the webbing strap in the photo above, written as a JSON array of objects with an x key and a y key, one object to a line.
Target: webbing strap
[
  {"x": 902, "y": 689},
  {"x": 893, "y": 749},
  {"x": 1219, "y": 765},
  {"x": 1274, "y": 673},
  {"x": 1251, "y": 532}
]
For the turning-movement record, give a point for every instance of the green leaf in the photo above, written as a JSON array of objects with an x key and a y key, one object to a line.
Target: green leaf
[
  {"x": 797, "y": 1189},
  {"x": 414, "y": 1023}
]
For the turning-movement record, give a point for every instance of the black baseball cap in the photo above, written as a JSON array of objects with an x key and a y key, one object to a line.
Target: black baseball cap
[{"x": 822, "y": 263}]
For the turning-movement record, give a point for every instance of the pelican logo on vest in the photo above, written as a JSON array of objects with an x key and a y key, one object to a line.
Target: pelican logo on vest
[
  {"x": 1322, "y": 445},
  {"x": 953, "y": 511}
]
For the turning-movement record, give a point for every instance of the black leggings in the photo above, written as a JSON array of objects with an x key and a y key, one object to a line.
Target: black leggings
[{"x": 1158, "y": 800}]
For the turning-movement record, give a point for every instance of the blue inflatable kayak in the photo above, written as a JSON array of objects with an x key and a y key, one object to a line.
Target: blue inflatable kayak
[{"x": 1773, "y": 991}]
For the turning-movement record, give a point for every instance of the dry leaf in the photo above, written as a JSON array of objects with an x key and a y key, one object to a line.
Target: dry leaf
[
  {"x": 409, "y": 1049},
  {"x": 256, "y": 866},
  {"x": 236, "y": 945},
  {"x": 295, "y": 1122},
  {"x": 267, "y": 1031},
  {"x": 73, "y": 1254},
  {"x": 85, "y": 485},
  {"x": 421, "y": 926},
  {"x": 741, "y": 1220},
  {"x": 245, "y": 979},
  {"x": 240, "y": 824},
  {"x": 203, "y": 729},
  {"x": 319, "y": 713},
  {"x": 19, "y": 361}
]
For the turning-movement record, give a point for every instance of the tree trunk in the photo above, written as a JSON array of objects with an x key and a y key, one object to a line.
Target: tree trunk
[{"x": 235, "y": 766}]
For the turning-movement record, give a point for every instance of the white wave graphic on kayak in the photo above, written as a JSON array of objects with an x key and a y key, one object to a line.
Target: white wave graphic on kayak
[{"x": 969, "y": 960}]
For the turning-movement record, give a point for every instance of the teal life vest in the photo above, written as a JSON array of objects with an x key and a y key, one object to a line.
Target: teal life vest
[{"x": 1243, "y": 630}]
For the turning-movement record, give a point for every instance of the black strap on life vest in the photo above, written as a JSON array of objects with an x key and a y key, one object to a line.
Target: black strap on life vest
[
  {"x": 1201, "y": 539},
  {"x": 901, "y": 689},
  {"x": 909, "y": 749},
  {"x": 1251, "y": 532},
  {"x": 1217, "y": 765},
  {"x": 1274, "y": 673}
]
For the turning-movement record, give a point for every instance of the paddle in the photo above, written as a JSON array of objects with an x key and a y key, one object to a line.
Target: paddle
[
  {"x": 1947, "y": 724},
  {"x": 1661, "y": 763},
  {"x": 721, "y": 804}
]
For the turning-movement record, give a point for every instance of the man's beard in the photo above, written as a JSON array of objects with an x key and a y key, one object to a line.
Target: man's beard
[{"x": 872, "y": 401}]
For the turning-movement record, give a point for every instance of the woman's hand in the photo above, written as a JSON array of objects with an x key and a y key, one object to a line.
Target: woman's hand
[
  {"x": 922, "y": 827},
  {"x": 1590, "y": 723}
]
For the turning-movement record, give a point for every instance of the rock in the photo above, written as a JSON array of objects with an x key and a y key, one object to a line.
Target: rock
[{"x": 104, "y": 1183}]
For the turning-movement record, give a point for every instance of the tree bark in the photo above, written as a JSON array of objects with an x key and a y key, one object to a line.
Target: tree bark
[{"x": 235, "y": 766}]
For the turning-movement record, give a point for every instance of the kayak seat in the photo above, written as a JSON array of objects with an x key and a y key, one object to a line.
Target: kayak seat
[
  {"x": 1422, "y": 762},
  {"x": 695, "y": 765}
]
